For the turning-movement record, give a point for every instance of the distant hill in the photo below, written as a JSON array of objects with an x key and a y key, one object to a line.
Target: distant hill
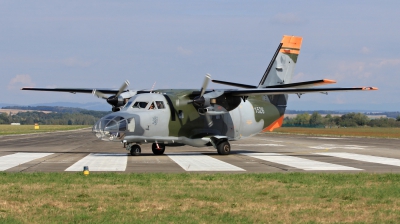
[{"x": 388, "y": 114}]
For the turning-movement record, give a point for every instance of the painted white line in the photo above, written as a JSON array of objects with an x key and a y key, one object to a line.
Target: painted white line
[
  {"x": 258, "y": 145},
  {"x": 334, "y": 146},
  {"x": 200, "y": 162},
  {"x": 9, "y": 161},
  {"x": 327, "y": 138},
  {"x": 101, "y": 162},
  {"x": 364, "y": 158},
  {"x": 299, "y": 163}
]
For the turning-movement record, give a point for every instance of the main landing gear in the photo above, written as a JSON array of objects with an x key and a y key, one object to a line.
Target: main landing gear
[
  {"x": 135, "y": 150},
  {"x": 158, "y": 148}
]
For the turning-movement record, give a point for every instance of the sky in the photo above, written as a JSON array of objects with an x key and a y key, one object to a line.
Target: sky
[{"x": 100, "y": 44}]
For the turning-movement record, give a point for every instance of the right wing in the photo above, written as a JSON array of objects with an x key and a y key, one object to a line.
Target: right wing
[
  {"x": 298, "y": 91},
  {"x": 289, "y": 85}
]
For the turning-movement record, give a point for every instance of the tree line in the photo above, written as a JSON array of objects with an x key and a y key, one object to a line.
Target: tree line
[
  {"x": 346, "y": 120},
  {"x": 84, "y": 117}
]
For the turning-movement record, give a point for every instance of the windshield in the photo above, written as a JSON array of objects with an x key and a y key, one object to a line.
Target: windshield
[{"x": 140, "y": 105}]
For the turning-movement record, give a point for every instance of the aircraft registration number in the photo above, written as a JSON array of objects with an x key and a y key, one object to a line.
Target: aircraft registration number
[{"x": 259, "y": 110}]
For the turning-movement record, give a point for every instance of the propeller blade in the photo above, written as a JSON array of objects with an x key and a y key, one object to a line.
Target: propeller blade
[
  {"x": 122, "y": 88},
  {"x": 209, "y": 120},
  {"x": 99, "y": 94},
  {"x": 205, "y": 84}
]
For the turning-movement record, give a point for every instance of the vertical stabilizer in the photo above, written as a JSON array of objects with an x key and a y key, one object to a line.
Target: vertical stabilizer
[{"x": 281, "y": 67}]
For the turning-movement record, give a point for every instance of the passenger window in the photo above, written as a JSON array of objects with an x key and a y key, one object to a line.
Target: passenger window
[
  {"x": 160, "y": 104},
  {"x": 140, "y": 105}
]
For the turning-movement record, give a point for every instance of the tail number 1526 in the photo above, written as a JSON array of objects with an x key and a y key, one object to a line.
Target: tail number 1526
[{"x": 259, "y": 110}]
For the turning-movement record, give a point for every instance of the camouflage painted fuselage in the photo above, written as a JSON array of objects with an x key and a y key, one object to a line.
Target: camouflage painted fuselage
[{"x": 181, "y": 123}]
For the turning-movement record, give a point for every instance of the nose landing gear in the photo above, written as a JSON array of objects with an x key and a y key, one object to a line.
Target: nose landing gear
[{"x": 135, "y": 150}]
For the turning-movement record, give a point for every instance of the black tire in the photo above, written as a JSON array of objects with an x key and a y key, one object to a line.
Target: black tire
[
  {"x": 224, "y": 148},
  {"x": 158, "y": 151},
  {"x": 135, "y": 150}
]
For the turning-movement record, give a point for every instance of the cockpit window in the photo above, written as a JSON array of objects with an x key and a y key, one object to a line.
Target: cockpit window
[
  {"x": 160, "y": 104},
  {"x": 152, "y": 106},
  {"x": 140, "y": 105}
]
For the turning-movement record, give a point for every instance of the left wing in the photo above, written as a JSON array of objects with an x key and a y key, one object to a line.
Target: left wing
[
  {"x": 299, "y": 91},
  {"x": 73, "y": 90}
]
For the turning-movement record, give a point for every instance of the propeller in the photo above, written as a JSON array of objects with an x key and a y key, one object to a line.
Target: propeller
[
  {"x": 114, "y": 100},
  {"x": 99, "y": 94},
  {"x": 200, "y": 101}
]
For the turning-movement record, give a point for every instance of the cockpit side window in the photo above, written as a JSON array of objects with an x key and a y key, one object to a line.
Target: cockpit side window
[
  {"x": 160, "y": 104},
  {"x": 152, "y": 106},
  {"x": 140, "y": 105}
]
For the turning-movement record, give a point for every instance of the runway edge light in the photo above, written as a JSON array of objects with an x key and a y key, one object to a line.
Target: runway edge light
[{"x": 85, "y": 170}]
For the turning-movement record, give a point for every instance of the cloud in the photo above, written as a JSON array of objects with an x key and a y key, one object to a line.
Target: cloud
[
  {"x": 287, "y": 19},
  {"x": 385, "y": 62},
  {"x": 183, "y": 51},
  {"x": 74, "y": 62},
  {"x": 20, "y": 80},
  {"x": 365, "y": 50}
]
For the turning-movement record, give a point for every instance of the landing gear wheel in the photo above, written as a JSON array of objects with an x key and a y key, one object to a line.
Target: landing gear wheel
[
  {"x": 135, "y": 150},
  {"x": 158, "y": 151},
  {"x": 224, "y": 148}
]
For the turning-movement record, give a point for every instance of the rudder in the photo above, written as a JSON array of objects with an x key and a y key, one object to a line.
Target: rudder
[{"x": 281, "y": 67}]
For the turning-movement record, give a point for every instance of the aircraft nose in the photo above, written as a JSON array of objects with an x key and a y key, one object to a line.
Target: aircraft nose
[{"x": 110, "y": 128}]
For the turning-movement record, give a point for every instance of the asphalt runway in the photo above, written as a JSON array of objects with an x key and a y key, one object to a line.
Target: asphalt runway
[{"x": 70, "y": 151}]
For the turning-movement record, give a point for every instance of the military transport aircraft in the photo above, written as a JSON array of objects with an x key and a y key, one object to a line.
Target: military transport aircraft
[{"x": 203, "y": 117}]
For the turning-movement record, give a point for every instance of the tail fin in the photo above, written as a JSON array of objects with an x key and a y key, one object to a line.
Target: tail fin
[{"x": 281, "y": 68}]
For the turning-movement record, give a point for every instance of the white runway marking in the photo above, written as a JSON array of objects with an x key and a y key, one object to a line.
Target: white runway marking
[
  {"x": 334, "y": 146},
  {"x": 300, "y": 163},
  {"x": 200, "y": 162},
  {"x": 327, "y": 138},
  {"x": 257, "y": 144},
  {"x": 364, "y": 158},
  {"x": 101, "y": 162},
  {"x": 9, "y": 161}
]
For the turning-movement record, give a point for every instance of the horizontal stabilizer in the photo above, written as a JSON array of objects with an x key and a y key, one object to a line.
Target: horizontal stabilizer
[
  {"x": 235, "y": 84},
  {"x": 304, "y": 84}
]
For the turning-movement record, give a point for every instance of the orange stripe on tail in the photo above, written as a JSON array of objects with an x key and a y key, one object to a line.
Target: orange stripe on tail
[{"x": 276, "y": 124}]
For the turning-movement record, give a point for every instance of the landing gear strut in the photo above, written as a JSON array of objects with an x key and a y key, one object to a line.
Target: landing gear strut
[
  {"x": 158, "y": 148},
  {"x": 135, "y": 150}
]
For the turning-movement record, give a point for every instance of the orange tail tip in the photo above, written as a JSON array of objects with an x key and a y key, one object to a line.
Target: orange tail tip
[
  {"x": 291, "y": 42},
  {"x": 329, "y": 81}
]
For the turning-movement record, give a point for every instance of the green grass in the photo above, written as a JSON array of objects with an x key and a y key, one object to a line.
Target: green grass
[
  {"x": 27, "y": 129},
  {"x": 199, "y": 198},
  {"x": 358, "y": 132}
]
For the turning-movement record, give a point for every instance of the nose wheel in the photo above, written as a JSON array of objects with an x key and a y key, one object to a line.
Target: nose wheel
[
  {"x": 134, "y": 150},
  {"x": 224, "y": 148}
]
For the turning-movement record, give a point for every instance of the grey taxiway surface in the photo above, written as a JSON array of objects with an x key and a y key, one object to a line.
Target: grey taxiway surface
[{"x": 269, "y": 152}]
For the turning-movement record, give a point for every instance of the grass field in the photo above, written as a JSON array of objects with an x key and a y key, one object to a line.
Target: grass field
[
  {"x": 359, "y": 132},
  {"x": 26, "y": 129},
  {"x": 199, "y": 198}
]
